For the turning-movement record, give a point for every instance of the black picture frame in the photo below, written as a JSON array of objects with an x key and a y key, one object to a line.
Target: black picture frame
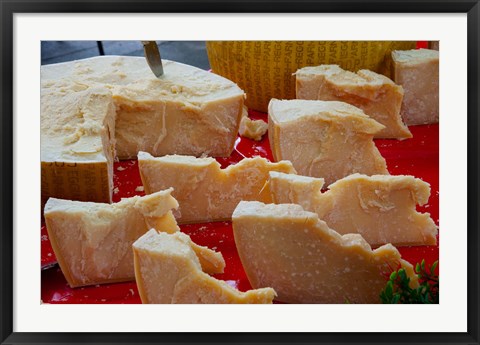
[{"x": 10, "y": 7}]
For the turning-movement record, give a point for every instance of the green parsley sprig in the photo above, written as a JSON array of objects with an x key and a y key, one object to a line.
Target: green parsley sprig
[{"x": 398, "y": 290}]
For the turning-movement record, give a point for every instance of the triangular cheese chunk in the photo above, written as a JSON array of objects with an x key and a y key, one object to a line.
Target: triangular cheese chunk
[
  {"x": 324, "y": 139},
  {"x": 378, "y": 96},
  {"x": 381, "y": 208},
  {"x": 92, "y": 241},
  {"x": 298, "y": 255},
  {"x": 167, "y": 270}
]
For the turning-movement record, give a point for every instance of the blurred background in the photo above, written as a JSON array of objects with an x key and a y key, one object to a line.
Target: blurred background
[{"x": 190, "y": 52}]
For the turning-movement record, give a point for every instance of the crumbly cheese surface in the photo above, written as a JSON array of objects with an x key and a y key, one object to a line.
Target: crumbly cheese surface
[
  {"x": 418, "y": 72},
  {"x": 167, "y": 270},
  {"x": 186, "y": 111},
  {"x": 77, "y": 141},
  {"x": 381, "y": 208},
  {"x": 378, "y": 96},
  {"x": 92, "y": 241},
  {"x": 326, "y": 139},
  {"x": 204, "y": 191},
  {"x": 252, "y": 129},
  {"x": 304, "y": 261}
]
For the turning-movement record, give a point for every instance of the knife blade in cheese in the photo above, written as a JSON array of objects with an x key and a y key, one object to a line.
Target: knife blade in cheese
[{"x": 186, "y": 111}]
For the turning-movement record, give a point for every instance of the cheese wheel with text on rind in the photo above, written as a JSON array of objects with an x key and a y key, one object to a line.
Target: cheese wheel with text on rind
[{"x": 264, "y": 69}]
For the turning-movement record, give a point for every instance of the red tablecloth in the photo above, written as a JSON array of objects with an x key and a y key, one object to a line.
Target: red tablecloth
[{"x": 417, "y": 156}]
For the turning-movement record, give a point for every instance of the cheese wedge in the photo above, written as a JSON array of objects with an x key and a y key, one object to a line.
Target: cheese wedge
[
  {"x": 77, "y": 144},
  {"x": 92, "y": 241},
  {"x": 205, "y": 192},
  {"x": 378, "y": 96},
  {"x": 304, "y": 261},
  {"x": 381, "y": 208},
  {"x": 167, "y": 270},
  {"x": 324, "y": 139},
  {"x": 186, "y": 111},
  {"x": 417, "y": 71}
]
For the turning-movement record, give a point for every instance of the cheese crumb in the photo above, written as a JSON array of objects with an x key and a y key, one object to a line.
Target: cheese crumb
[
  {"x": 139, "y": 189},
  {"x": 252, "y": 129},
  {"x": 120, "y": 168}
]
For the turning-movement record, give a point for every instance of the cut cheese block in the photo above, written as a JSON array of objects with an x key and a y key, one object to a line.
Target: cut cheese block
[
  {"x": 324, "y": 139},
  {"x": 186, "y": 111},
  {"x": 304, "y": 261},
  {"x": 417, "y": 71},
  {"x": 205, "y": 192},
  {"x": 77, "y": 142},
  {"x": 378, "y": 96},
  {"x": 167, "y": 270},
  {"x": 92, "y": 241},
  {"x": 381, "y": 208}
]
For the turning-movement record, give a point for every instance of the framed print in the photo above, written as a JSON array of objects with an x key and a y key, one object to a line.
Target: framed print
[{"x": 301, "y": 155}]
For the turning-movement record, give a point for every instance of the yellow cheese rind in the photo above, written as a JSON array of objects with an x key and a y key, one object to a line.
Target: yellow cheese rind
[
  {"x": 92, "y": 240},
  {"x": 204, "y": 191},
  {"x": 304, "y": 261},
  {"x": 381, "y": 208},
  {"x": 77, "y": 142},
  {"x": 417, "y": 71},
  {"x": 186, "y": 111},
  {"x": 375, "y": 94},
  {"x": 324, "y": 139},
  {"x": 168, "y": 271}
]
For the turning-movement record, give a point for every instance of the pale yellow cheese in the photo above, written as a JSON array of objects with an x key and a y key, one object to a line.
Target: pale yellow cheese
[
  {"x": 417, "y": 71},
  {"x": 378, "y": 96},
  {"x": 381, "y": 208},
  {"x": 304, "y": 261},
  {"x": 324, "y": 139},
  {"x": 92, "y": 241},
  {"x": 167, "y": 270},
  {"x": 186, "y": 111},
  {"x": 204, "y": 191},
  {"x": 77, "y": 141},
  {"x": 252, "y": 129}
]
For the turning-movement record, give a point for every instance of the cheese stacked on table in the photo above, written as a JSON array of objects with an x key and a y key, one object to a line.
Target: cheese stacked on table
[{"x": 97, "y": 109}]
